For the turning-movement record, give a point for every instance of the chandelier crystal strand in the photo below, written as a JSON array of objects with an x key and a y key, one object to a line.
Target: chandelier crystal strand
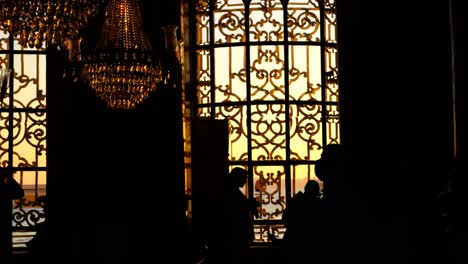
[
  {"x": 121, "y": 70},
  {"x": 42, "y": 23}
]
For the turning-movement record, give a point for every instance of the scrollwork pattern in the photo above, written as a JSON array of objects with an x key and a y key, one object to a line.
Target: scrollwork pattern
[
  {"x": 276, "y": 81},
  {"x": 4, "y": 60},
  {"x": 333, "y": 124},
  {"x": 269, "y": 191},
  {"x": 24, "y": 81},
  {"x": 266, "y": 20},
  {"x": 330, "y": 20},
  {"x": 203, "y": 77},
  {"x": 331, "y": 74},
  {"x": 27, "y": 217},
  {"x": 202, "y": 21},
  {"x": 230, "y": 26},
  {"x": 267, "y": 76},
  {"x": 306, "y": 128},
  {"x": 23, "y": 132},
  {"x": 4, "y": 44},
  {"x": 303, "y": 25},
  {"x": 29, "y": 136},
  {"x": 268, "y": 132}
]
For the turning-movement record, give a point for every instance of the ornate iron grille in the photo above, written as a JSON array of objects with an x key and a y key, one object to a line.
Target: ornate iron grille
[
  {"x": 270, "y": 68},
  {"x": 23, "y": 133}
]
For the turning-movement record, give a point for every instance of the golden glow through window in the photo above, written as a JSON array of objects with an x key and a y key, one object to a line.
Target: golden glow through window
[
  {"x": 270, "y": 68},
  {"x": 23, "y": 132}
]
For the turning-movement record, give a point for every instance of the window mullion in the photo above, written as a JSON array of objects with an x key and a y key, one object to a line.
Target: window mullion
[
  {"x": 287, "y": 166},
  {"x": 248, "y": 105},
  {"x": 10, "y": 101},
  {"x": 212, "y": 60},
  {"x": 323, "y": 68}
]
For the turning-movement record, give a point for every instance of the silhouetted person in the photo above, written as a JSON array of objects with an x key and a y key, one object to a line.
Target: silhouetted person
[
  {"x": 237, "y": 230},
  {"x": 344, "y": 217},
  {"x": 302, "y": 221},
  {"x": 10, "y": 190}
]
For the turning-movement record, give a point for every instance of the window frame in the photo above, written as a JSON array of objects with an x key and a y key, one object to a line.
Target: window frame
[{"x": 327, "y": 77}]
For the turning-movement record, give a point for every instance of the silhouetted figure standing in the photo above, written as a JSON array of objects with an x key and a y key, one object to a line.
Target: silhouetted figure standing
[
  {"x": 10, "y": 190},
  {"x": 237, "y": 231},
  {"x": 302, "y": 221},
  {"x": 344, "y": 217}
]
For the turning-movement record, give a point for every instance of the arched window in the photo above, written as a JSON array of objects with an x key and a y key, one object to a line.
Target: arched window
[
  {"x": 23, "y": 111},
  {"x": 270, "y": 68}
]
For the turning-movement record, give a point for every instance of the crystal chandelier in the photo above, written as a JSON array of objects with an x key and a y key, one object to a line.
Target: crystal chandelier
[
  {"x": 121, "y": 70},
  {"x": 41, "y": 23}
]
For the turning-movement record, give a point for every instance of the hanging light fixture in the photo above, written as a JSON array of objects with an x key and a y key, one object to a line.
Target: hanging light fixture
[
  {"x": 43, "y": 23},
  {"x": 121, "y": 70}
]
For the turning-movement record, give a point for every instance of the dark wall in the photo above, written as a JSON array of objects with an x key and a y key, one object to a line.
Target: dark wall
[
  {"x": 210, "y": 155},
  {"x": 115, "y": 180},
  {"x": 460, "y": 27},
  {"x": 395, "y": 67},
  {"x": 459, "y": 181}
]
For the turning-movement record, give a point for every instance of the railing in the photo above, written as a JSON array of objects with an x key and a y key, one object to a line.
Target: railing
[{"x": 25, "y": 223}]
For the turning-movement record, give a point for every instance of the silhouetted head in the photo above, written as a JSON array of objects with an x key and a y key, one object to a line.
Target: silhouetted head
[
  {"x": 333, "y": 152},
  {"x": 312, "y": 188},
  {"x": 238, "y": 177},
  {"x": 6, "y": 174},
  {"x": 331, "y": 162}
]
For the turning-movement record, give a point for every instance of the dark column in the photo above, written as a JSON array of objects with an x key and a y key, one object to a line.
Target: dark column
[
  {"x": 116, "y": 178},
  {"x": 458, "y": 202},
  {"x": 397, "y": 113}
]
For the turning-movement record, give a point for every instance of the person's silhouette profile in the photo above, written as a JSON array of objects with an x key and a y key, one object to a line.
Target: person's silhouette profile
[
  {"x": 344, "y": 214},
  {"x": 302, "y": 221},
  {"x": 237, "y": 219}
]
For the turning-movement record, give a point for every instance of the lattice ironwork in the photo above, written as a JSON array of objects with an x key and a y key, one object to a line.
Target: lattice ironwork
[
  {"x": 270, "y": 68},
  {"x": 23, "y": 145}
]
